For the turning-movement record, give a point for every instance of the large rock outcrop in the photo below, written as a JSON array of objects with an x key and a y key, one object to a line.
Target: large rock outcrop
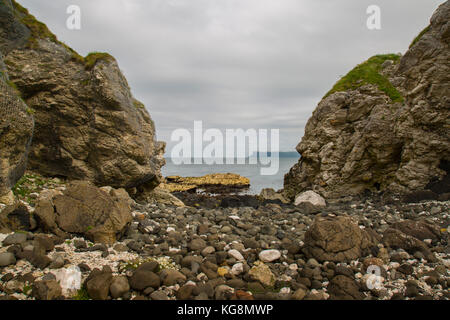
[
  {"x": 88, "y": 126},
  {"x": 99, "y": 214},
  {"x": 384, "y": 126},
  {"x": 16, "y": 131}
]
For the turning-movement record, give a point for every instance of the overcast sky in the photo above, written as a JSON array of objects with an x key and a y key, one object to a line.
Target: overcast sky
[{"x": 258, "y": 64}]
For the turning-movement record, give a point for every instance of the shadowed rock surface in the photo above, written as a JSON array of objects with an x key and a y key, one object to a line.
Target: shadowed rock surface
[{"x": 16, "y": 131}]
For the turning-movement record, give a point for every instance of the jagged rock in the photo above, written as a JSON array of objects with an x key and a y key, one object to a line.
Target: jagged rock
[
  {"x": 85, "y": 209},
  {"x": 272, "y": 195},
  {"x": 419, "y": 229},
  {"x": 160, "y": 195},
  {"x": 390, "y": 134},
  {"x": 337, "y": 239},
  {"x": 262, "y": 273},
  {"x": 396, "y": 239},
  {"x": 88, "y": 125}
]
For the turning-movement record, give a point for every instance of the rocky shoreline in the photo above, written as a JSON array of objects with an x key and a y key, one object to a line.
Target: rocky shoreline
[
  {"x": 95, "y": 220},
  {"x": 267, "y": 251}
]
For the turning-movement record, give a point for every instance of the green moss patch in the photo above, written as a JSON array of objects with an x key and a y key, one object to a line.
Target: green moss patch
[
  {"x": 368, "y": 72},
  {"x": 419, "y": 36},
  {"x": 38, "y": 29},
  {"x": 34, "y": 183},
  {"x": 138, "y": 104},
  {"x": 82, "y": 294},
  {"x": 92, "y": 58}
]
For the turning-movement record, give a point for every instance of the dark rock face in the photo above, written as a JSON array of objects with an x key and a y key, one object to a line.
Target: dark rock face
[
  {"x": 362, "y": 139},
  {"x": 16, "y": 131},
  {"x": 16, "y": 217},
  {"x": 88, "y": 125}
]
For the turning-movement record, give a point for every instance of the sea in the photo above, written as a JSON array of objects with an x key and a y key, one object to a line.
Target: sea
[{"x": 251, "y": 171}]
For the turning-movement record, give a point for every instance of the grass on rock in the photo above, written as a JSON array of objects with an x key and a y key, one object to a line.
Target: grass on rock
[
  {"x": 34, "y": 183},
  {"x": 92, "y": 58},
  {"x": 419, "y": 36},
  {"x": 368, "y": 72},
  {"x": 39, "y": 30},
  {"x": 82, "y": 294}
]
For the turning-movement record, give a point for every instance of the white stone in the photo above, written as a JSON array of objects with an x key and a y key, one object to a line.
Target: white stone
[
  {"x": 69, "y": 279},
  {"x": 285, "y": 290},
  {"x": 237, "y": 269},
  {"x": 235, "y": 254},
  {"x": 311, "y": 197},
  {"x": 269, "y": 255}
]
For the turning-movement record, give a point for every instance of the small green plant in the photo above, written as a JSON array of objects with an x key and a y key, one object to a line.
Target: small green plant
[
  {"x": 68, "y": 242},
  {"x": 92, "y": 58},
  {"x": 138, "y": 104},
  {"x": 82, "y": 294},
  {"x": 368, "y": 72},
  {"x": 30, "y": 111},
  {"x": 27, "y": 289},
  {"x": 33, "y": 183}
]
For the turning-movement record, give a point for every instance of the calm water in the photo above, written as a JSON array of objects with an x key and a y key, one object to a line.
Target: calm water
[{"x": 257, "y": 181}]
